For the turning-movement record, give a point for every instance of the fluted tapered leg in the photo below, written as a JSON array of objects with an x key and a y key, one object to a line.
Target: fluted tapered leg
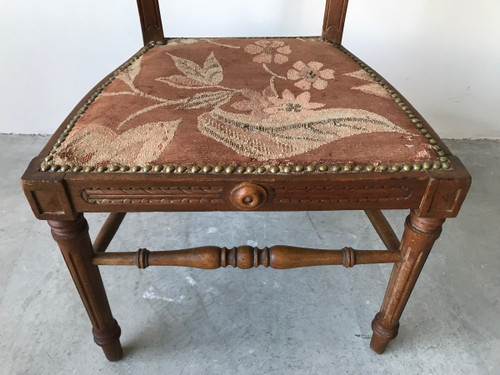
[
  {"x": 74, "y": 241},
  {"x": 418, "y": 238}
]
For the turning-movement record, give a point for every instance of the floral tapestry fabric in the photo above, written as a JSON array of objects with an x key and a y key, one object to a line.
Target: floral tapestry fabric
[{"x": 243, "y": 102}]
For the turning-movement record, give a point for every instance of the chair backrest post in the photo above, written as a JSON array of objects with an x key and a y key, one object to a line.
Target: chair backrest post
[
  {"x": 152, "y": 29},
  {"x": 149, "y": 13},
  {"x": 333, "y": 24}
]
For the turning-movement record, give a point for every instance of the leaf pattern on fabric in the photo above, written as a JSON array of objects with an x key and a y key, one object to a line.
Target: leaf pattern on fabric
[
  {"x": 212, "y": 70},
  {"x": 207, "y": 100},
  {"x": 132, "y": 71},
  {"x": 369, "y": 88},
  {"x": 183, "y": 82},
  {"x": 210, "y": 74},
  {"x": 99, "y": 145},
  {"x": 372, "y": 88},
  {"x": 274, "y": 138},
  {"x": 360, "y": 74}
]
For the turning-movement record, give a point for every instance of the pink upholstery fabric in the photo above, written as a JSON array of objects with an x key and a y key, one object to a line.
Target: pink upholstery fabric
[{"x": 244, "y": 102}]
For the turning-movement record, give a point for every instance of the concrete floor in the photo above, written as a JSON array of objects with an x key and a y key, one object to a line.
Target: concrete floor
[{"x": 259, "y": 321}]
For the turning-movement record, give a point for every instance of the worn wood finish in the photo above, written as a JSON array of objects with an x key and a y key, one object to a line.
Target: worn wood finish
[
  {"x": 74, "y": 241},
  {"x": 98, "y": 193},
  {"x": 151, "y": 25},
  {"x": 279, "y": 257},
  {"x": 418, "y": 238},
  {"x": 108, "y": 231},
  {"x": 383, "y": 229},
  {"x": 333, "y": 22}
]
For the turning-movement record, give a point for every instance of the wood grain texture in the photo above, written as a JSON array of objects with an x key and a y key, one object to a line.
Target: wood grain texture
[
  {"x": 74, "y": 241},
  {"x": 279, "y": 257},
  {"x": 194, "y": 192},
  {"x": 333, "y": 23},
  {"x": 149, "y": 14},
  {"x": 383, "y": 229},
  {"x": 445, "y": 193},
  {"x": 418, "y": 238},
  {"x": 108, "y": 231},
  {"x": 153, "y": 195},
  {"x": 47, "y": 194}
]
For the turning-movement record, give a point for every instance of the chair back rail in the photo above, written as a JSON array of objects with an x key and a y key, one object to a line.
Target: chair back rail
[{"x": 152, "y": 30}]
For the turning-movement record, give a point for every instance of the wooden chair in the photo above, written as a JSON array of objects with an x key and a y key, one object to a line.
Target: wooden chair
[{"x": 238, "y": 124}]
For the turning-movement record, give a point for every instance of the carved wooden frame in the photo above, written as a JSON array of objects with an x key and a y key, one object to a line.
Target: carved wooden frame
[{"x": 61, "y": 197}]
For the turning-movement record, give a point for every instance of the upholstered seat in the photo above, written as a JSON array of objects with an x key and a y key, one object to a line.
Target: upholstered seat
[{"x": 244, "y": 105}]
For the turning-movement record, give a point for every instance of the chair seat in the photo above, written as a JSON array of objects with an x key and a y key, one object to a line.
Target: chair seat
[{"x": 281, "y": 105}]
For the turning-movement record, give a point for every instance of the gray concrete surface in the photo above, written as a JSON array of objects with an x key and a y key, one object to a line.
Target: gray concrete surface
[{"x": 260, "y": 321}]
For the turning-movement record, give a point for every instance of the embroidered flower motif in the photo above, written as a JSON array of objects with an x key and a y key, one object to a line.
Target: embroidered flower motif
[
  {"x": 292, "y": 107},
  {"x": 268, "y": 51},
  {"x": 310, "y": 74},
  {"x": 255, "y": 103}
]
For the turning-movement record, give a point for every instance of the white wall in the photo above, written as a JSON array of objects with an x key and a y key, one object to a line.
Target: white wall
[{"x": 443, "y": 55}]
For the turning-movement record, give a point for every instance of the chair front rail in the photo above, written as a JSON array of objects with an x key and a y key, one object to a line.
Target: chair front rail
[{"x": 278, "y": 257}]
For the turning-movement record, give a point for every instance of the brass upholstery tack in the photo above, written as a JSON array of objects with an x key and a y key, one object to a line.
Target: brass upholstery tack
[{"x": 370, "y": 168}]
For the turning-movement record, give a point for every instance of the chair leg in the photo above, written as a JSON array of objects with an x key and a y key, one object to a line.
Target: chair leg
[
  {"x": 418, "y": 238},
  {"x": 74, "y": 241}
]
